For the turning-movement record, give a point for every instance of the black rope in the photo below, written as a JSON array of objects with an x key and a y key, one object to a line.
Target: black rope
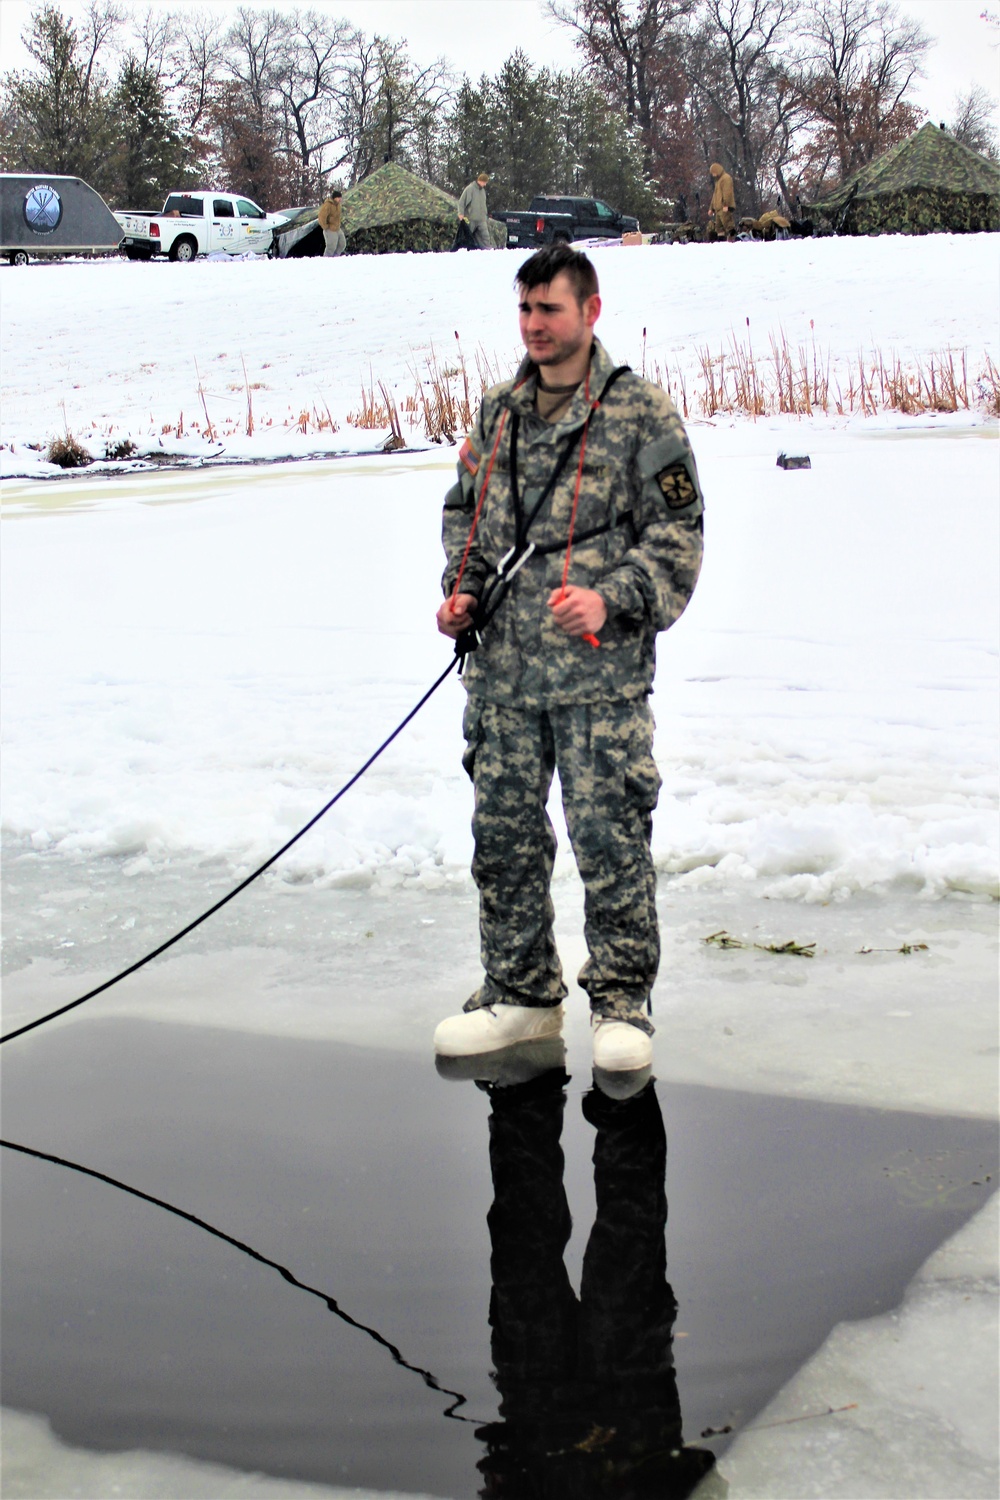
[
  {"x": 331, "y": 1302},
  {"x": 62, "y": 1009}
]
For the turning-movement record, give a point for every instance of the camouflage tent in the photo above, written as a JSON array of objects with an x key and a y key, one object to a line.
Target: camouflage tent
[
  {"x": 390, "y": 211},
  {"x": 929, "y": 183}
]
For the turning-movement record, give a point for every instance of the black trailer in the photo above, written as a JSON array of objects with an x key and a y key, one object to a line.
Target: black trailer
[{"x": 50, "y": 216}]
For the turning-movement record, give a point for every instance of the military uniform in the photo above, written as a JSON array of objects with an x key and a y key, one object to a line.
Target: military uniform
[
  {"x": 540, "y": 699},
  {"x": 723, "y": 205}
]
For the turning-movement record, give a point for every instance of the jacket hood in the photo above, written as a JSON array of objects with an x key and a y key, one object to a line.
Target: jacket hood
[{"x": 716, "y": 169}]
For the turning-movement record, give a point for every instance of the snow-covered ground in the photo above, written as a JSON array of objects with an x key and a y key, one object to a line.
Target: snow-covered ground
[
  {"x": 193, "y": 661},
  {"x": 114, "y": 349}
]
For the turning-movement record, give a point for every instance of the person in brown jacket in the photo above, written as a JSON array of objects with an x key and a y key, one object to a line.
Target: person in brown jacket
[
  {"x": 721, "y": 210},
  {"x": 329, "y": 222}
]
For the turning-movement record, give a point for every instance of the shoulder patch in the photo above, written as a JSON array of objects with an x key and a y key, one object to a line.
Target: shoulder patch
[
  {"x": 469, "y": 458},
  {"x": 676, "y": 486}
]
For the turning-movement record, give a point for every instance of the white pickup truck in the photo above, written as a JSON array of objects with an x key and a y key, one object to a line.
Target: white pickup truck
[{"x": 193, "y": 224}]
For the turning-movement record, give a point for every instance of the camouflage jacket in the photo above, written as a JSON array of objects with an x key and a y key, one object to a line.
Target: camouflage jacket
[{"x": 637, "y": 537}]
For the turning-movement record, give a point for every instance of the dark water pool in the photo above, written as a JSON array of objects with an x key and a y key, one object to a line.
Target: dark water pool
[{"x": 441, "y": 1287}]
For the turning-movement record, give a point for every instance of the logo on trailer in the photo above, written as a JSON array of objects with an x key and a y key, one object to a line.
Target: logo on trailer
[{"x": 42, "y": 209}]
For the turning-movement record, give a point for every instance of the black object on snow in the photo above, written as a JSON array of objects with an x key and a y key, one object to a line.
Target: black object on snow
[
  {"x": 463, "y": 237},
  {"x": 794, "y": 461}
]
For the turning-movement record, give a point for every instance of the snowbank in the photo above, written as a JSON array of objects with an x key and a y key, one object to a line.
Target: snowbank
[
  {"x": 913, "y": 1396},
  {"x": 119, "y": 349},
  {"x": 194, "y": 663},
  {"x": 37, "y": 1466}
]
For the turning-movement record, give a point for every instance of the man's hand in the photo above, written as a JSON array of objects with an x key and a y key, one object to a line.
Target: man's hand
[
  {"x": 463, "y": 218},
  {"x": 452, "y": 622},
  {"x": 578, "y": 611}
]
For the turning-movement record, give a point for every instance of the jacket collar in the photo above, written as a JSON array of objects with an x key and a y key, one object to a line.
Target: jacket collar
[{"x": 521, "y": 396}]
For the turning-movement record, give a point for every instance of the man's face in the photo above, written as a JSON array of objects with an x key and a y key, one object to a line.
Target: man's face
[
  {"x": 554, "y": 326},
  {"x": 482, "y": 181}
]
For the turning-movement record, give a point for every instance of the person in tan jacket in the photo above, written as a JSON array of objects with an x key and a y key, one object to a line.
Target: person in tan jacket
[
  {"x": 721, "y": 210},
  {"x": 329, "y": 222}
]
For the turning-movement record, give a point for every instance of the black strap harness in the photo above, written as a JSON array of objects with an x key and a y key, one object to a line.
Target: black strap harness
[{"x": 498, "y": 583}]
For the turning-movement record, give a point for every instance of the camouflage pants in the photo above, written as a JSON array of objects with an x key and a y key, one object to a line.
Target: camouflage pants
[{"x": 610, "y": 784}]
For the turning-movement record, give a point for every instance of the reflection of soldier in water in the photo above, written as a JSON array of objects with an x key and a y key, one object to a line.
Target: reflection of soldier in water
[{"x": 588, "y": 1394}]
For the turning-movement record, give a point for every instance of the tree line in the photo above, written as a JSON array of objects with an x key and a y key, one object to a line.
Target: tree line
[{"x": 790, "y": 97}]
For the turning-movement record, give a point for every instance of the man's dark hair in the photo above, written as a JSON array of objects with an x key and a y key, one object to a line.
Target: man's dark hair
[
  {"x": 544, "y": 266},
  {"x": 336, "y": 193}
]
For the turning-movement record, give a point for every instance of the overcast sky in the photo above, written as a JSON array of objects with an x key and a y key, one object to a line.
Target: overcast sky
[{"x": 477, "y": 35}]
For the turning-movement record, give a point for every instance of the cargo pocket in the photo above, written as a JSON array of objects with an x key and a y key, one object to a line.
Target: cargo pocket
[
  {"x": 472, "y": 728},
  {"x": 642, "y": 778}
]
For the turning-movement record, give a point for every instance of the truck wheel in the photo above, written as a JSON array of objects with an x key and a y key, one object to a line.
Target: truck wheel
[
  {"x": 184, "y": 249},
  {"x": 18, "y": 257}
]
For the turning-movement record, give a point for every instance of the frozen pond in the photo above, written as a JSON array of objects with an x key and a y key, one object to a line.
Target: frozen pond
[{"x": 192, "y": 664}]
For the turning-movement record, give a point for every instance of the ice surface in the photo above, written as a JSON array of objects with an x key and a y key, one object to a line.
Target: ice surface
[
  {"x": 921, "y": 1390},
  {"x": 37, "y": 1466},
  {"x": 194, "y": 662}
]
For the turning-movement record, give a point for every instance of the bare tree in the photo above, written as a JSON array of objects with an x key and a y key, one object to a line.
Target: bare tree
[
  {"x": 630, "y": 47},
  {"x": 392, "y": 109},
  {"x": 859, "y": 61},
  {"x": 740, "y": 90},
  {"x": 155, "y": 37},
  {"x": 96, "y": 30},
  {"x": 201, "y": 55},
  {"x": 310, "y": 78},
  {"x": 255, "y": 43},
  {"x": 973, "y": 121}
]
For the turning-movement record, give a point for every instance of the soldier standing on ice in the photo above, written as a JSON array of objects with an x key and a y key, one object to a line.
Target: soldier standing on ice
[
  {"x": 722, "y": 209},
  {"x": 472, "y": 208},
  {"x": 573, "y": 535}
]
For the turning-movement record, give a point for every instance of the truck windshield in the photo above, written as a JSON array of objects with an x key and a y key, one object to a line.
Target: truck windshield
[{"x": 188, "y": 208}]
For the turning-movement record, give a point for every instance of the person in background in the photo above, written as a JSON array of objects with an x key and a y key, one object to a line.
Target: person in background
[
  {"x": 329, "y": 222},
  {"x": 472, "y": 208},
  {"x": 722, "y": 209}
]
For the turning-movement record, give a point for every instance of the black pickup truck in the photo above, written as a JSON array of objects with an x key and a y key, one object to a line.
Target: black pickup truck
[{"x": 550, "y": 219}]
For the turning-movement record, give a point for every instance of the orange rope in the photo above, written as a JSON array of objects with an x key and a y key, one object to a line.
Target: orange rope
[{"x": 479, "y": 506}]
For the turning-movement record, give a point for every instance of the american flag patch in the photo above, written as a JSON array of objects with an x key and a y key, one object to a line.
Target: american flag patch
[{"x": 468, "y": 456}]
